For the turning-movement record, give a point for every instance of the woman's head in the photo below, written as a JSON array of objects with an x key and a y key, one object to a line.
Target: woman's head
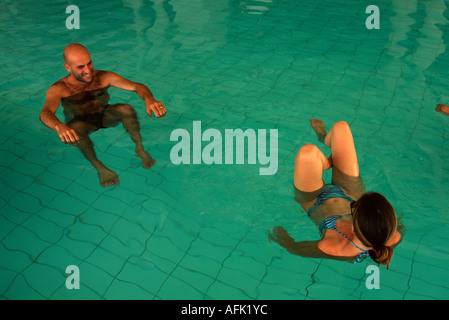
[{"x": 375, "y": 223}]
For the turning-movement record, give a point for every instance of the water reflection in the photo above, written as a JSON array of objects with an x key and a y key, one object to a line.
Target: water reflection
[
  {"x": 256, "y": 7},
  {"x": 414, "y": 40}
]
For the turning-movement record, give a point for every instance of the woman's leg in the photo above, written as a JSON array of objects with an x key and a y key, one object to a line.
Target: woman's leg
[
  {"x": 341, "y": 142},
  {"x": 345, "y": 167},
  {"x": 309, "y": 166},
  {"x": 308, "y": 175}
]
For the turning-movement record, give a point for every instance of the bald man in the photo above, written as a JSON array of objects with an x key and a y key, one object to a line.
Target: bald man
[{"x": 84, "y": 96}]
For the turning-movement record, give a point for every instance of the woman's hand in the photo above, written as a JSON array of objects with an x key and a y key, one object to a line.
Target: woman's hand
[{"x": 281, "y": 236}]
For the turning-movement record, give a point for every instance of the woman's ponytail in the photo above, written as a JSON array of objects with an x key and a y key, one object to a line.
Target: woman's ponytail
[{"x": 382, "y": 255}]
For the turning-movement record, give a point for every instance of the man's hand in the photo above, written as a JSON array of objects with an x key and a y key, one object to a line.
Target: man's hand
[
  {"x": 67, "y": 134},
  {"x": 157, "y": 107}
]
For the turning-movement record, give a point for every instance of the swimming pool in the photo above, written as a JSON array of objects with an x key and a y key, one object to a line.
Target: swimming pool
[{"x": 199, "y": 231}]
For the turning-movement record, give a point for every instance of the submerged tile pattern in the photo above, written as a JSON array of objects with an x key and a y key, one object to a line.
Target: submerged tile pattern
[{"x": 198, "y": 231}]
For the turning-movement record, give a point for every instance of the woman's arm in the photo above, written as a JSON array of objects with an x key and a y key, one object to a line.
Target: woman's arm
[{"x": 307, "y": 249}]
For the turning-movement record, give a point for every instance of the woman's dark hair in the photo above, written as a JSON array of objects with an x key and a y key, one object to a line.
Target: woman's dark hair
[{"x": 375, "y": 222}]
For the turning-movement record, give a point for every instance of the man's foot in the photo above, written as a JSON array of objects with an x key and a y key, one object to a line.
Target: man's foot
[
  {"x": 107, "y": 177},
  {"x": 319, "y": 128},
  {"x": 442, "y": 109},
  {"x": 148, "y": 161}
]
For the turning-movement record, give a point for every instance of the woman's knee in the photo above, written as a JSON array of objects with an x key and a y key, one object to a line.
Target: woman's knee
[
  {"x": 309, "y": 166},
  {"x": 310, "y": 156},
  {"x": 308, "y": 153},
  {"x": 341, "y": 126}
]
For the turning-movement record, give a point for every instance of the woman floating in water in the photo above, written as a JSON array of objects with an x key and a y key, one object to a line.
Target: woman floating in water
[{"x": 353, "y": 224}]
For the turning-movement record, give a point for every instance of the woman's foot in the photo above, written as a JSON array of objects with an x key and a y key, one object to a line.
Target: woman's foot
[
  {"x": 319, "y": 128},
  {"x": 442, "y": 109}
]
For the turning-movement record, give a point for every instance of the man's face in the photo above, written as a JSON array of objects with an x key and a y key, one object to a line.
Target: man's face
[{"x": 80, "y": 65}]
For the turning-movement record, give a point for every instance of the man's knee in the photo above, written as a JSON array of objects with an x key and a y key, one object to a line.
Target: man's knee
[
  {"x": 125, "y": 110},
  {"x": 80, "y": 127}
]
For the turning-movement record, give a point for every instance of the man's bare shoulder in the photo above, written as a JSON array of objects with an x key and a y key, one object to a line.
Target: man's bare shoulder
[
  {"x": 104, "y": 75},
  {"x": 59, "y": 88},
  {"x": 109, "y": 78}
]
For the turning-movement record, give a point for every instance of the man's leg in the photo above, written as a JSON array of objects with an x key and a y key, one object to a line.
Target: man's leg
[
  {"x": 107, "y": 177},
  {"x": 126, "y": 114}
]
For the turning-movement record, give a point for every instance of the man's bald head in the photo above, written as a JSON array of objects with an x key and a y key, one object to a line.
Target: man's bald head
[
  {"x": 73, "y": 49},
  {"x": 78, "y": 62}
]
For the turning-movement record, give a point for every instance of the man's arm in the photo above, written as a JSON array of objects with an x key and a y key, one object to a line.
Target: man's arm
[
  {"x": 48, "y": 117},
  {"x": 142, "y": 91}
]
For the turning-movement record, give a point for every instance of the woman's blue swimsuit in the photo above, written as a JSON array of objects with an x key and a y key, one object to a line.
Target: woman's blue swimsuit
[{"x": 333, "y": 191}]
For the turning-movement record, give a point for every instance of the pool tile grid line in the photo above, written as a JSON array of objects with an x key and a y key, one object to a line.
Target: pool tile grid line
[
  {"x": 31, "y": 216},
  {"x": 63, "y": 234},
  {"x": 437, "y": 280},
  {"x": 116, "y": 276}
]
